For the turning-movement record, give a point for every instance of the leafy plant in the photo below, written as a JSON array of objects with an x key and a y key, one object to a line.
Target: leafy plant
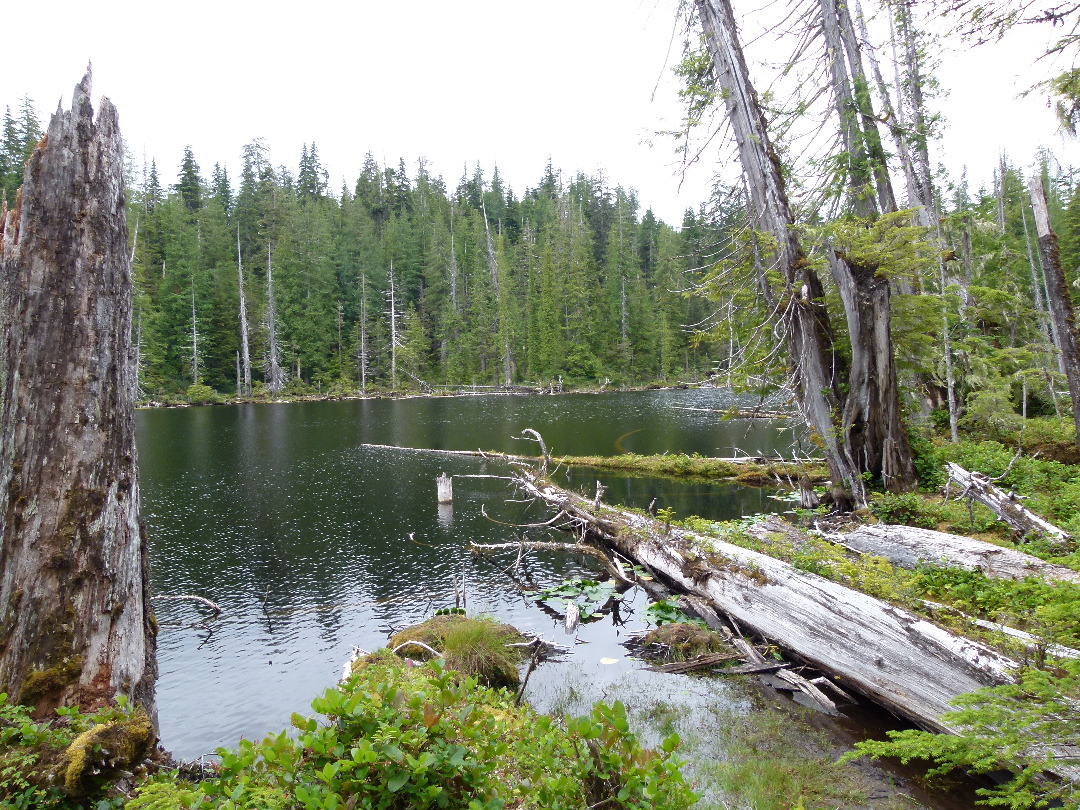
[
  {"x": 906, "y": 509},
  {"x": 665, "y": 612},
  {"x": 589, "y": 595},
  {"x": 400, "y": 737},
  {"x": 1028, "y": 727}
]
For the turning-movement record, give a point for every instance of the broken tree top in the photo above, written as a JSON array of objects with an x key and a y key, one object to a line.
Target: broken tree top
[{"x": 73, "y": 554}]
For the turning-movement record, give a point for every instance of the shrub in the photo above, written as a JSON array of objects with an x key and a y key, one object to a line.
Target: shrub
[
  {"x": 199, "y": 394},
  {"x": 474, "y": 646},
  {"x": 990, "y": 413},
  {"x": 907, "y": 509},
  {"x": 399, "y": 736}
]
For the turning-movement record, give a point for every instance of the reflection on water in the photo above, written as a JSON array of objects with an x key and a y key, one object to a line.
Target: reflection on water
[{"x": 302, "y": 535}]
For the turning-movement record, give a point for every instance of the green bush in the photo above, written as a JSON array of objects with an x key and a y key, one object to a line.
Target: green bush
[
  {"x": 199, "y": 394},
  {"x": 57, "y": 764},
  {"x": 906, "y": 509},
  {"x": 405, "y": 737},
  {"x": 990, "y": 413},
  {"x": 1028, "y": 728}
]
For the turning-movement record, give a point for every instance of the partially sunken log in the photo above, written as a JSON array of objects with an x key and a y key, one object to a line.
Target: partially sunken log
[
  {"x": 75, "y": 619},
  {"x": 897, "y": 659},
  {"x": 1004, "y": 504},
  {"x": 909, "y": 547}
]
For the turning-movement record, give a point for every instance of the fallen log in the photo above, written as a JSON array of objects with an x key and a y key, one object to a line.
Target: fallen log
[
  {"x": 706, "y": 661},
  {"x": 1005, "y": 505},
  {"x": 742, "y": 413},
  {"x": 910, "y": 547},
  {"x": 903, "y": 662}
]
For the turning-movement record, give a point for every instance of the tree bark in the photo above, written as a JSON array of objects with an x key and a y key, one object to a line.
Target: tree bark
[
  {"x": 856, "y": 422},
  {"x": 75, "y": 620},
  {"x": 1057, "y": 289},
  {"x": 245, "y": 390}
]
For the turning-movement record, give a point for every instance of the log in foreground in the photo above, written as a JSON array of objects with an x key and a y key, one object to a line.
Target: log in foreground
[
  {"x": 899, "y": 660},
  {"x": 909, "y": 547}
]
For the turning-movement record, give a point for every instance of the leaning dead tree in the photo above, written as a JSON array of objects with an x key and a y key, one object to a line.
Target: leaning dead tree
[
  {"x": 852, "y": 408},
  {"x": 75, "y": 622},
  {"x": 1006, "y": 506}
]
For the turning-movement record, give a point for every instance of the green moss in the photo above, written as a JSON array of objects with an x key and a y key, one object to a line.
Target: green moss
[
  {"x": 106, "y": 748},
  {"x": 685, "y": 641},
  {"x": 476, "y": 646},
  {"x": 680, "y": 465},
  {"x": 41, "y": 682}
]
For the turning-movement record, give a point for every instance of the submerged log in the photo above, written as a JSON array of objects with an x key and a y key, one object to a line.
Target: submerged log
[
  {"x": 909, "y": 547},
  {"x": 901, "y": 661},
  {"x": 1004, "y": 504}
]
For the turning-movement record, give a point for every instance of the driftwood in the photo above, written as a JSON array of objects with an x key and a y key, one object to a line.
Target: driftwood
[
  {"x": 1004, "y": 504},
  {"x": 190, "y": 597},
  {"x": 905, "y": 663},
  {"x": 909, "y": 547},
  {"x": 1036, "y": 645},
  {"x": 706, "y": 661}
]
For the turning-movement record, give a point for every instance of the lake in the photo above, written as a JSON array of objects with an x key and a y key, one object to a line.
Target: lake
[{"x": 281, "y": 515}]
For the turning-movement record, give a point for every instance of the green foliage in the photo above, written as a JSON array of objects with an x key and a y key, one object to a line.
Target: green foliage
[
  {"x": 664, "y": 612},
  {"x": 990, "y": 413},
  {"x": 199, "y": 394},
  {"x": 477, "y": 646},
  {"x": 1028, "y": 727},
  {"x": 589, "y": 595},
  {"x": 35, "y": 754},
  {"x": 1048, "y": 609},
  {"x": 907, "y": 509},
  {"x": 400, "y": 736}
]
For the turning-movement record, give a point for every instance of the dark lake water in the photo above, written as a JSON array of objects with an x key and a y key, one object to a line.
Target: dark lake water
[{"x": 278, "y": 513}]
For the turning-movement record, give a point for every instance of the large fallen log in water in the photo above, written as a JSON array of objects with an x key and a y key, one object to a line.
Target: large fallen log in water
[
  {"x": 899, "y": 660},
  {"x": 909, "y": 547}
]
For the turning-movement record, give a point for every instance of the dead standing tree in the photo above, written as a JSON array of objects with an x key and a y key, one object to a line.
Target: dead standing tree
[
  {"x": 1060, "y": 299},
  {"x": 855, "y": 417},
  {"x": 75, "y": 620}
]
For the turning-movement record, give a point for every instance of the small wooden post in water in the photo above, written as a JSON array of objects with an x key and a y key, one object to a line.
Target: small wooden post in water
[{"x": 446, "y": 488}]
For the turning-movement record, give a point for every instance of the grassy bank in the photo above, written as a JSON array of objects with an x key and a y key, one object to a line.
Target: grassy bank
[{"x": 680, "y": 465}]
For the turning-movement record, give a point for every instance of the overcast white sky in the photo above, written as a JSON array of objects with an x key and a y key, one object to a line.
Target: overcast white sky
[{"x": 494, "y": 81}]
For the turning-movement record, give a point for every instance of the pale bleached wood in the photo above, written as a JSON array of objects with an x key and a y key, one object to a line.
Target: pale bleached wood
[
  {"x": 909, "y": 547},
  {"x": 900, "y": 660},
  {"x": 1003, "y": 504}
]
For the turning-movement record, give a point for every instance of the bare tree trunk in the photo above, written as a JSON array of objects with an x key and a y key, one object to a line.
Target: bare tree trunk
[
  {"x": 872, "y": 431},
  {"x": 1057, "y": 291},
  {"x": 75, "y": 622},
  {"x": 393, "y": 316},
  {"x": 245, "y": 353},
  {"x": 362, "y": 350},
  {"x": 275, "y": 375}
]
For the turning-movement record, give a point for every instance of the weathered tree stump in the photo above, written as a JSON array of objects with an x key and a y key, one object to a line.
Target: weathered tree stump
[{"x": 75, "y": 620}]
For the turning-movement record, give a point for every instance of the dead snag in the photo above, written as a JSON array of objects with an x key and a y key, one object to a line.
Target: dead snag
[{"x": 75, "y": 618}]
